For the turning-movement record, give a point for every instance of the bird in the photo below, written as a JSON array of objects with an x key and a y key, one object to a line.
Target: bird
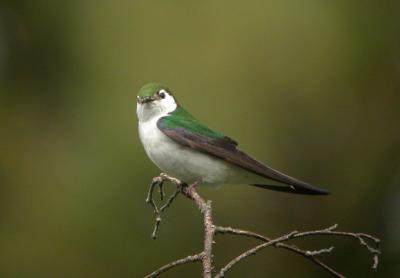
[{"x": 184, "y": 148}]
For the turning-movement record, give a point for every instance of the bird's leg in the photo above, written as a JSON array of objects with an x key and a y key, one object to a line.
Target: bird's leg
[{"x": 156, "y": 181}]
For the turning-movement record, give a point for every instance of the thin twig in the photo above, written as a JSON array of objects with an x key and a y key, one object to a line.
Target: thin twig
[
  {"x": 204, "y": 207},
  {"x": 306, "y": 255},
  {"x": 172, "y": 197},
  {"x": 210, "y": 230},
  {"x": 293, "y": 248},
  {"x": 252, "y": 251},
  {"x": 319, "y": 252},
  {"x": 188, "y": 259},
  {"x": 229, "y": 230},
  {"x": 150, "y": 200},
  {"x": 362, "y": 238},
  {"x": 161, "y": 190},
  {"x": 309, "y": 254}
]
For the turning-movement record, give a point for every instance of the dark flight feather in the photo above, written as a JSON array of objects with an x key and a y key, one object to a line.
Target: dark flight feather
[{"x": 187, "y": 131}]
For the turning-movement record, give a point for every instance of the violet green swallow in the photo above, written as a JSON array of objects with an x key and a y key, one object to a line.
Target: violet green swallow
[{"x": 184, "y": 148}]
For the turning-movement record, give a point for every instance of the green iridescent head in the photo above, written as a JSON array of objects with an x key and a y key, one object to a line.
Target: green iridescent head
[
  {"x": 151, "y": 92},
  {"x": 151, "y": 89},
  {"x": 154, "y": 100}
]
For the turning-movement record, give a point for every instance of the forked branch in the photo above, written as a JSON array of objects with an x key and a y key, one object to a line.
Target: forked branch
[{"x": 210, "y": 230}]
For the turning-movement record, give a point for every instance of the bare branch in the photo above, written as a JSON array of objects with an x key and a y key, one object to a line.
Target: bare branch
[
  {"x": 150, "y": 200},
  {"x": 309, "y": 254},
  {"x": 306, "y": 255},
  {"x": 252, "y": 251},
  {"x": 156, "y": 181},
  {"x": 161, "y": 191},
  {"x": 188, "y": 259},
  {"x": 362, "y": 238},
  {"x": 172, "y": 197},
  {"x": 320, "y": 251},
  {"x": 293, "y": 248},
  {"x": 229, "y": 230},
  {"x": 204, "y": 207},
  {"x": 210, "y": 230}
]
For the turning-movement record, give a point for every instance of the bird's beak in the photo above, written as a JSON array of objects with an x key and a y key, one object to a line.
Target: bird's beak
[{"x": 143, "y": 100}]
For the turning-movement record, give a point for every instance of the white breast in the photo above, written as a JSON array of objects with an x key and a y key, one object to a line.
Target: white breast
[{"x": 180, "y": 161}]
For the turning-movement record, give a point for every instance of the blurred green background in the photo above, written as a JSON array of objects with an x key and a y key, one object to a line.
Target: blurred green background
[{"x": 310, "y": 87}]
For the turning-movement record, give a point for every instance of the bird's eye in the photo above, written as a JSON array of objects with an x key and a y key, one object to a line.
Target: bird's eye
[{"x": 161, "y": 94}]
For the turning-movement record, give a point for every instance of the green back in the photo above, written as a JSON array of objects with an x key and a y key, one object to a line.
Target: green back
[{"x": 181, "y": 119}]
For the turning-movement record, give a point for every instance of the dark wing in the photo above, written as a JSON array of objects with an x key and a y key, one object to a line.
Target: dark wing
[{"x": 225, "y": 148}]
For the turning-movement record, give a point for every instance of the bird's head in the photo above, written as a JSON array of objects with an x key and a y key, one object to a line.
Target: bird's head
[{"x": 154, "y": 101}]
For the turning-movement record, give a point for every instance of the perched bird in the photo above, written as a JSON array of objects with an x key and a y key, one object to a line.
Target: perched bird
[{"x": 184, "y": 148}]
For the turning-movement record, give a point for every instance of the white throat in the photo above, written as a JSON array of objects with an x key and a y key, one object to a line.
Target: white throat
[{"x": 155, "y": 109}]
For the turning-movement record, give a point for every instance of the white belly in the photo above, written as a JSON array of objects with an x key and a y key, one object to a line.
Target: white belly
[{"x": 186, "y": 164}]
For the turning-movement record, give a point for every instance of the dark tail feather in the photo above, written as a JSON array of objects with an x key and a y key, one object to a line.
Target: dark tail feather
[{"x": 309, "y": 190}]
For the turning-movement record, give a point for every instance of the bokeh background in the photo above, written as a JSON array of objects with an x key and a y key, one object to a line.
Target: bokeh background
[{"x": 310, "y": 87}]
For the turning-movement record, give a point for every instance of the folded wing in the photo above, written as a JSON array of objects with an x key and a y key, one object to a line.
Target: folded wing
[{"x": 186, "y": 130}]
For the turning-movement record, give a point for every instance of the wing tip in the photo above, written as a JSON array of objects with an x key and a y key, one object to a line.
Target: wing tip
[
  {"x": 319, "y": 191},
  {"x": 309, "y": 190}
]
